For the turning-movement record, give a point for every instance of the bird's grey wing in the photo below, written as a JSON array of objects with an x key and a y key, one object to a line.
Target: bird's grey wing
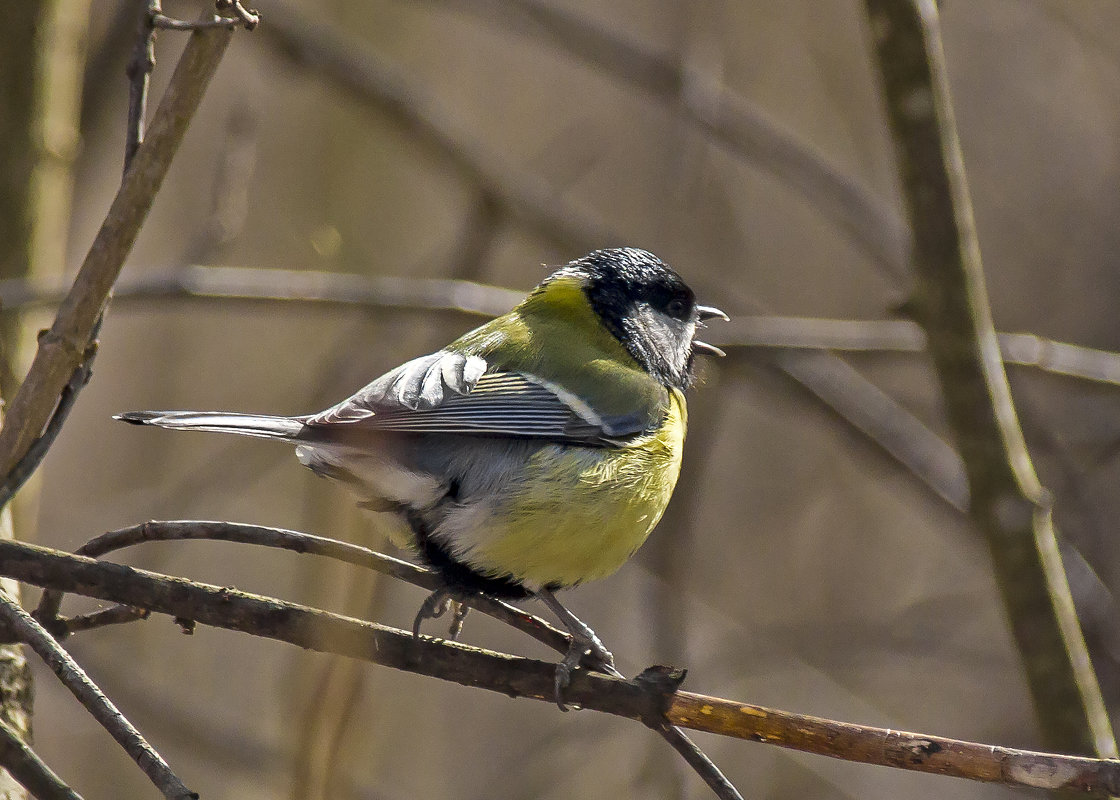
[
  {"x": 454, "y": 394},
  {"x": 422, "y": 383}
]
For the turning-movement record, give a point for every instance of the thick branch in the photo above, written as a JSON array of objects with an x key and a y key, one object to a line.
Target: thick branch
[
  {"x": 521, "y": 677},
  {"x": 351, "y": 554},
  {"x": 950, "y": 302},
  {"x": 62, "y": 348}
]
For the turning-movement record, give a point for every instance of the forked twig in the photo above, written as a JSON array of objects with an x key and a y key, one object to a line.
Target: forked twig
[{"x": 74, "y": 678}]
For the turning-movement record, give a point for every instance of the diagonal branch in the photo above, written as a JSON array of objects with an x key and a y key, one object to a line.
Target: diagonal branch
[
  {"x": 725, "y": 118},
  {"x": 649, "y": 700},
  {"x": 21, "y": 762},
  {"x": 63, "y": 347},
  {"x": 1007, "y": 502},
  {"x": 351, "y": 65},
  {"x": 29, "y": 631}
]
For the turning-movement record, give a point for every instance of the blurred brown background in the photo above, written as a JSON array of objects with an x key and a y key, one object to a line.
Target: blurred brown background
[{"x": 800, "y": 566}]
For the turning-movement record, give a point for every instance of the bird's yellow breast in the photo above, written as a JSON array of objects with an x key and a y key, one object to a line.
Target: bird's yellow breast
[{"x": 584, "y": 511}]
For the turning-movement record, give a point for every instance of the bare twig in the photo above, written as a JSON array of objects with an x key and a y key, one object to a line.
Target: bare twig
[
  {"x": 29, "y": 770},
  {"x": 27, "y": 465},
  {"x": 74, "y": 678},
  {"x": 1007, "y": 502},
  {"x": 248, "y": 17},
  {"x": 521, "y": 677},
  {"x": 64, "y": 346},
  {"x": 117, "y": 615}
]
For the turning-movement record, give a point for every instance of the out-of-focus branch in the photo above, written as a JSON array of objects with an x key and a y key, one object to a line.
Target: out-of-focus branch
[
  {"x": 950, "y": 302},
  {"x": 650, "y": 698},
  {"x": 872, "y": 412},
  {"x": 750, "y": 331},
  {"x": 64, "y": 346},
  {"x": 74, "y": 678},
  {"x": 351, "y": 65},
  {"x": 726, "y": 118}
]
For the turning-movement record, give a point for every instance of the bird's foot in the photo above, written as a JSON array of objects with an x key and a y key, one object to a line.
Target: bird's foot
[
  {"x": 587, "y": 651},
  {"x": 586, "y": 648},
  {"x": 435, "y": 606}
]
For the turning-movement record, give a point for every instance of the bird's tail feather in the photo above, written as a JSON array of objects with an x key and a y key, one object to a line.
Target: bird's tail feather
[{"x": 259, "y": 425}]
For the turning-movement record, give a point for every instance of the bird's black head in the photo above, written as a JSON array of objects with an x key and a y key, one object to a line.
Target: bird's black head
[{"x": 648, "y": 308}]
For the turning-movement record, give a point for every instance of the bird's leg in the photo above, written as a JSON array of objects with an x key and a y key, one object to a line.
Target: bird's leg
[
  {"x": 584, "y": 641},
  {"x": 434, "y": 607}
]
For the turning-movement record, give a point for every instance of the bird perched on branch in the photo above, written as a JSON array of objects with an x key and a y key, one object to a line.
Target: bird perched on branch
[{"x": 534, "y": 453}]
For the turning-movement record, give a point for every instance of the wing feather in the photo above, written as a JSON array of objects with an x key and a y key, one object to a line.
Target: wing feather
[{"x": 452, "y": 393}]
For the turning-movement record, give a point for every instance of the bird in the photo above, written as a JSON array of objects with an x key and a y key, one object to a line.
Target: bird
[{"x": 532, "y": 454}]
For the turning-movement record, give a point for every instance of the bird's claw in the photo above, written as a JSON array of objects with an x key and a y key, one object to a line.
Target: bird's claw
[
  {"x": 434, "y": 607},
  {"x": 589, "y": 651}
]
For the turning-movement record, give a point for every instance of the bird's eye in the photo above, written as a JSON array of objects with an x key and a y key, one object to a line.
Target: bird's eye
[{"x": 677, "y": 307}]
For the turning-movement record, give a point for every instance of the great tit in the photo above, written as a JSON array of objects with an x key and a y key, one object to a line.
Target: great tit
[{"x": 531, "y": 454}]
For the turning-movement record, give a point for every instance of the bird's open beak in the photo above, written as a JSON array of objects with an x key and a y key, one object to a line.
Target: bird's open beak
[
  {"x": 706, "y": 313},
  {"x": 711, "y": 312},
  {"x": 704, "y": 347}
]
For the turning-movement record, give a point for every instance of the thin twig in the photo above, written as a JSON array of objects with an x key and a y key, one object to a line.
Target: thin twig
[
  {"x": 74, "y": 678},
  {"x": 522, "y": 677},
  {"x": 295, "y": 541},
  {"x": 66, "y": 400},
  {"x": 139, "y": 72},
  {"x": 116, "y": 615},
  {"x": 1006, "y": 500},
  {"x": 30, "y": 771},
  {"x": 63, "y": 347},
  {"x": 699, "y": 761}
]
